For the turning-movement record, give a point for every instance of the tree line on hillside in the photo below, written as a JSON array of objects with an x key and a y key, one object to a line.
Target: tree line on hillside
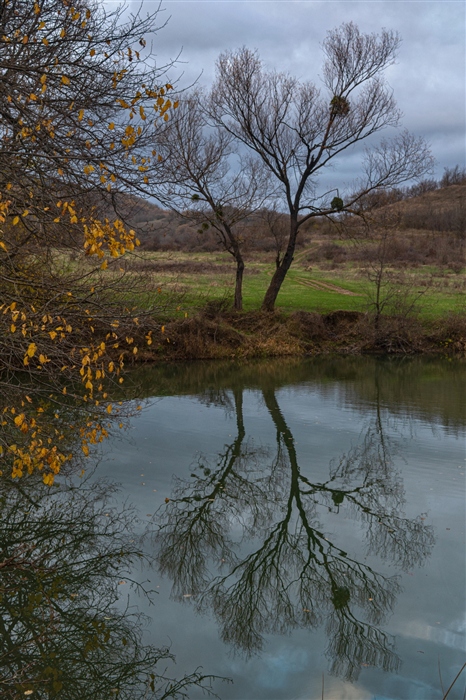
[
  {"x": 265, "y": 230},
  {"x": 455, "y": 175}
]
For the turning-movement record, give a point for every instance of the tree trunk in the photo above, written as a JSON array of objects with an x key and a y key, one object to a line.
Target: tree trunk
[
  {"x": 238, "y": 305},
  {"x": 231, "y": 244},
  {"x": 280, "y": 273}
]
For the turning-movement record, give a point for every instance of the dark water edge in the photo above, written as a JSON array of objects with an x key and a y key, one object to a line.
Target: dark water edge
[{"x": 433, "y": 387}]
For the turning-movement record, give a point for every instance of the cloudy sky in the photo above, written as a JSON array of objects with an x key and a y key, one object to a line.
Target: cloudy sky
[{"x": 428, "y": 79}]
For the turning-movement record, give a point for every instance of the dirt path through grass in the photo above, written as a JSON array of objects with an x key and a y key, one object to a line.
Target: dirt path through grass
[{"x": 325, "y": 286}]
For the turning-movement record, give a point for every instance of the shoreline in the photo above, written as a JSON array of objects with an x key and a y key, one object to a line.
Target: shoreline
[{"x": 218, "y": 334}]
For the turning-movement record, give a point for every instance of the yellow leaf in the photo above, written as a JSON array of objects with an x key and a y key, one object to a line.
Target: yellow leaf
[
  {"x": 62, "y": 33},
  {"x": 65, "y": 80},
  {"x": 85, "y": 449},
  {"x": 31, "y": 350},
  {"x": 19, "y": 419},
  {"x": 111, "y": 126},
  {"x": 109, "y": 408},
  {"x": 33, "y": 97},
  {"x": 45, "y": 41},
  {"x": 104, "y": 265},
  {"x": 15, "y": 220}
]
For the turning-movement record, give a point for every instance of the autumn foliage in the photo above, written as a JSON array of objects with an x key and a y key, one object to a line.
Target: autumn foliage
[{"x": 80, "y": 97}]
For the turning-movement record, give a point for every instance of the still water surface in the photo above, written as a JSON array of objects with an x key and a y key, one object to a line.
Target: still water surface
[{"x": 308, "y": 522}]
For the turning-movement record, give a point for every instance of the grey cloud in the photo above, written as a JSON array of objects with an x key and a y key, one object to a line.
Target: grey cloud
[{"x": 428, "y": 79}]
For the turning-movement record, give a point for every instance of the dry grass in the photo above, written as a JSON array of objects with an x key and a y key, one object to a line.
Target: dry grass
[{"x": 217, "y": 333}]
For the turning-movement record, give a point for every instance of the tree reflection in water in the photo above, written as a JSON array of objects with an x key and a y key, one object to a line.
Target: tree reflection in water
[
  {"x": 66, "y": 555},
  {"x": 257, "y": 522}
]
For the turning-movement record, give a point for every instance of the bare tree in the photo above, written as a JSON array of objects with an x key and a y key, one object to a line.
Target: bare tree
[
  {"x": 205, "y": 179},
  {"x": 453, "y": 176},
  {"x": 297, "y": 131}
]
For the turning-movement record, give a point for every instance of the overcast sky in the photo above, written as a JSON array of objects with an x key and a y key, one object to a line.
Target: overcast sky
[{"x": 428, "y": 79}]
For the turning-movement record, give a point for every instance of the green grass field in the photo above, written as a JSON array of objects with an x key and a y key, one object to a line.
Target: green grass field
[{"x": 197, "y": 278}]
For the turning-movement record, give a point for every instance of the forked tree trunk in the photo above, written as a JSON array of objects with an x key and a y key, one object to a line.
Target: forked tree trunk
[{"x": 280, "y": 273}]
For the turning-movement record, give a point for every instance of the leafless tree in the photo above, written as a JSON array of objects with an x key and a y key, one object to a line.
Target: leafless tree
[
  {"x": 204, "y": 178},
  {"x": 297, "y": 130},
  {"x": 453, "y": 176}
]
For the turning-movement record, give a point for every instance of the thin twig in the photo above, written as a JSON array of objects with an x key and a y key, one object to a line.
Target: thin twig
[
  {"x": 440, "y": 675},
  {"x": 454, "y": 681}
]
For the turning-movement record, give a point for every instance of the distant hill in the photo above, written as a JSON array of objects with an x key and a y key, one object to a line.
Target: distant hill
[
  {"x": 440, "y": 210},
  {"x": 443, "y": 209}
]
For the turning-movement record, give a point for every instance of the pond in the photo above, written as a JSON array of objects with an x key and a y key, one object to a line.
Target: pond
[
  {"x": 308, "y": 523},
  {"x": 299, "y": 525}
]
